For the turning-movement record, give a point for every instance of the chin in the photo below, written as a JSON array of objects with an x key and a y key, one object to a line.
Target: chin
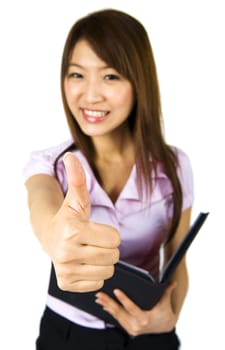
[{"x": 95, "y": 131}]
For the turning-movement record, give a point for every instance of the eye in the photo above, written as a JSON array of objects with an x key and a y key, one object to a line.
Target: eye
[
  {"x": 75, "y": 75},
  {"x": 111, "y": 77}
]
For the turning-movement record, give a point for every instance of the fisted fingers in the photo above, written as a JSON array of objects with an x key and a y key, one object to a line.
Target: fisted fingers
[
  {"x": 84, "y": 286},
  {"x": 98, "y": 256},
  {"x": 77, "y": 278},
  {"x": 93, "y": 244},
  {"x": 98, "y": 235},
  {"x": 73, "y": 272},
  {"x": 85, "y": 254}
]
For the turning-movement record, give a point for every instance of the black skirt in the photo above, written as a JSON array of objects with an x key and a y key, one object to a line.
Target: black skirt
[{"x": 58, "y": 333}]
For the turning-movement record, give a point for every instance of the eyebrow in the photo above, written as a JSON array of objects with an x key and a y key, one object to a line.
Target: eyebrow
[{"x": 73, "y": 64}]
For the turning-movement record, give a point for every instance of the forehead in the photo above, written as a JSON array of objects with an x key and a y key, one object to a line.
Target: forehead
[{"x": 84, "y": 55}]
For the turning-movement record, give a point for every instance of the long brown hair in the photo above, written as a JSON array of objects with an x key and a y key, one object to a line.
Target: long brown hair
[{"x": 122, "y": 42}]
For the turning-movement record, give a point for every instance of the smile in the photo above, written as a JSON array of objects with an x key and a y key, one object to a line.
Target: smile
[{"x": 94, "y": 116}]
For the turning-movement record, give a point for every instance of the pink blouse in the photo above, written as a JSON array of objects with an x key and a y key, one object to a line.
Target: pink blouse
[{"x": 141, "y": 222}]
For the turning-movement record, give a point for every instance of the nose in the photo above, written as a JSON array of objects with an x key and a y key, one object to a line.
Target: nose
[{"x": 93, "y": 92}]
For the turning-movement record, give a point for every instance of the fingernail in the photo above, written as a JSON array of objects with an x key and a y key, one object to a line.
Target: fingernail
[{"x": 116, "y": 292}]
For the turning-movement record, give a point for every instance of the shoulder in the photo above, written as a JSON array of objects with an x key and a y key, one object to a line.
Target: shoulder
[
  {"x": 185, "y": 174},
  {"x": 183, "y": 164},
  {"x": 181, "y": 155},
  {"x": 49, "y": 161},
  {"x": 184, "y": 167},
  {"x": 53, "y": 152},
  {"x": 42, "y": 161}
]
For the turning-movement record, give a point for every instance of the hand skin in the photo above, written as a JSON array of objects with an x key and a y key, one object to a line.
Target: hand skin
[
  {"x": 164, "y": 315},
  {"x": 136, "y": 321},
  {"x": 83, "y": 252}
]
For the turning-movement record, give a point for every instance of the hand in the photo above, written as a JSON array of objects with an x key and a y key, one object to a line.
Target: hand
[
  {"x": 83, "y": 252},
  {"x": 136, "y": 321}
]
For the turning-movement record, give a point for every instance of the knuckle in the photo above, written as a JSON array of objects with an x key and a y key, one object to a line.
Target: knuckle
[
  {"x": 62, "y": 272},
  {"x": 116, "y": 239},
  {"x": 110, "y": 272},
  {"x": 134, "y": 331},
  {"x": 99, "y": 284},
  {"x": 62, "y": 284},
  {"x": 144, "y": 322},
  {"x": 65, "y": 276},
  {"x": 130, "y": 306},
  {"x": 78, "y": 235},
  {"x": 107, "y": 256},
  {"x": 115, "y": 256},
  {"x": 115, "y": 311},
  {"x": 96, "y": 285},
  {"x": 61, "y": 255}
]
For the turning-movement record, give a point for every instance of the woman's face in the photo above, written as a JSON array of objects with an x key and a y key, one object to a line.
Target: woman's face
[{"x": 99, "y": 98}]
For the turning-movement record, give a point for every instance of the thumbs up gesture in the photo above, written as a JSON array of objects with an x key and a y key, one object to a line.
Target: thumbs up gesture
[{"x": 83, "y": 252}]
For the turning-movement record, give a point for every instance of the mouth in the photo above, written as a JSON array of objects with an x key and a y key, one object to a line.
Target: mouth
[{"x": 94, "y": 116}]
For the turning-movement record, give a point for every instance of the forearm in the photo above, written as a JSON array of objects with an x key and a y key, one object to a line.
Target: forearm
[
  {"x": 181, "y": 274},
  {"x": 44, "y": 199},
  {"x": 180, "y": 292}
]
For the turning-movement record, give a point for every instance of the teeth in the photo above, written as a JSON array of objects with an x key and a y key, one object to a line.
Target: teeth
[{"x": 94, "y": 113}]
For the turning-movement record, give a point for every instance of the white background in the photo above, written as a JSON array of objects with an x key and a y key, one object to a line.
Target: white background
[{"x": 188, "y": 42}]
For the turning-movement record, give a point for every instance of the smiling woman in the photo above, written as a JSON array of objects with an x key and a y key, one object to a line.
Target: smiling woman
[
  {"x": 91, "y": 90},
  {"x": 115, "y": 190}
]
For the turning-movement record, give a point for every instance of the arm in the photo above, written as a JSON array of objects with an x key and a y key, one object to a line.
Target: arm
[
  {"x": 83, "y": 252},
  {"x": 164, "y": 315},
  {"x": 181, "y": 273},
  {"x": 45, "y": 198}
]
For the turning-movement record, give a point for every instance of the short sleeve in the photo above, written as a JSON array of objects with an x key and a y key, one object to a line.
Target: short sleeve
[
  {"x": 185, "y": 175},
  {"x": 42, "y": 161}
]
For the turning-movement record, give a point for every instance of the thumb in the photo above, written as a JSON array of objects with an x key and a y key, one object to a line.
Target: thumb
[{"x": 77, "y": 196}]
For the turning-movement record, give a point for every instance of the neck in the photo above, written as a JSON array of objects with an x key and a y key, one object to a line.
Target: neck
[{"x": 114, "y": 147}]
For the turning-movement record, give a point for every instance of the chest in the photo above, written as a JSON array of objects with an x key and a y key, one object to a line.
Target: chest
[
  {"x": 142, "y": 228},
  {"x": 114, "y": 177}
]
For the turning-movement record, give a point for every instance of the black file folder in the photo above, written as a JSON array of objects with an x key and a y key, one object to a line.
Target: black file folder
[{"x": 137, "y": 283}]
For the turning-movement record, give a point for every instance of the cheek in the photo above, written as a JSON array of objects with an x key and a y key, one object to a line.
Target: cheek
[
  {"x": 71, "y": 91},
  {"x": 126, "y": 99}
]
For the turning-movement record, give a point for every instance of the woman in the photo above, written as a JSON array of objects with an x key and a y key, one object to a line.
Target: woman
[{"x": 119, "y": 193}]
